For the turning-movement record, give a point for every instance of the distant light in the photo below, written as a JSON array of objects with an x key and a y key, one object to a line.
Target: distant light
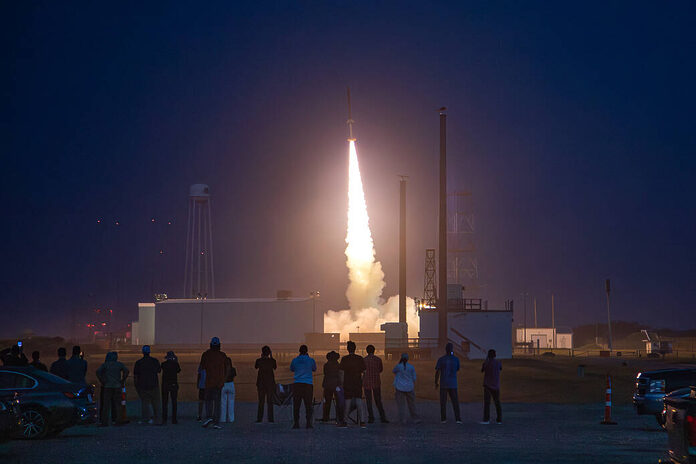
[
  {"x": 152, "y": 220},
  {"x": 161, "y": 252},
  {"x": 170, "y": 223}
]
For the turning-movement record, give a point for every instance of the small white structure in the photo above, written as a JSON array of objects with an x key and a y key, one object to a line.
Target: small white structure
[
  {"x": 474, "y": 332},
  {"x": 254, "y": 321},
  {"x": 545, "y": 337}
]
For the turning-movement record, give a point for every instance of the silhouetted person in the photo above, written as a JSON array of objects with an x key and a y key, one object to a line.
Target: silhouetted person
[
  {"x": 333, "y": 388},
  {"x": 112, "y": 375},
  {"x": 353, "y": 366},
  {"x": 303, "y": 367},
  {"x": 200, "y": 381},
  {"x": 147, "y": 385},
  {"x": 77, "y": 367},
  {"x": 405, "y": 388},
  {"x": 13, "y": 357},
  {"x": 213, "y": 362},
  {"x": 446, "y": 373},
  {"x": 372, "y": 384},
  {"x": 265, "y": 382},
  {"x": 60, "y": 366},
  {"x": 36, "y": 362},
  {"x": 491, "y": 387},
  {"x": 228, "y": 393},
  {"x": 170, "y": 385}
]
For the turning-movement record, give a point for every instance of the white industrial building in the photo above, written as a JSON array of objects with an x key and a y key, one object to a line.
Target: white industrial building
[
  {"x": 251, "y": 321},
  {"x": 474, "y": 332},
  {"x": 545, "y": 337}
]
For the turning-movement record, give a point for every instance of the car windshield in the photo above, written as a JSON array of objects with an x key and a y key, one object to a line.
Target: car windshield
[{"x": 49, "y": 377}]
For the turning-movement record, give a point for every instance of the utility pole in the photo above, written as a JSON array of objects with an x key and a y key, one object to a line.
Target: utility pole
[
  {"x": 402, "y": 249},
  {"x": 524, "y": 295},
  {"x": 442, "y": 309},
  {"x": 535, "y": 314},
  {"x": 553, "y": 321},
  {"x": 608, "y": 287},
  {"x": 314, "y": 294}
]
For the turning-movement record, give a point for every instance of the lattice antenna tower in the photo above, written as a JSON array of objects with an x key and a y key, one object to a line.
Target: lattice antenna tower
[
  {"x": 430, "y": 288},
  {"x": 462, "y": 264}
]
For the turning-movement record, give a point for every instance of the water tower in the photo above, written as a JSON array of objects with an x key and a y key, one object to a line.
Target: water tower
[{"x": 199, "y": 278}]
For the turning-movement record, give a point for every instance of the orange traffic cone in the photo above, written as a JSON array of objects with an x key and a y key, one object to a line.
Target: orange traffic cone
[{"x": 607, "y": 404}]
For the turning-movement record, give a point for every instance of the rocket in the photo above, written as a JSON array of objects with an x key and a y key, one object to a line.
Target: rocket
[{"x": 350, "y": 119}]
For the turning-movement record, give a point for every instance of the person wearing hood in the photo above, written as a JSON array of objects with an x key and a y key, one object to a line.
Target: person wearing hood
[
  {"x": 404, "y": 388},
  {"x": 146, "y": 384},
  {"x": 112, "y": 375},
  {"x": 333, "y": 388},
  {"x": 170, "y": 385},
  {"x": 213, "y": 363}
]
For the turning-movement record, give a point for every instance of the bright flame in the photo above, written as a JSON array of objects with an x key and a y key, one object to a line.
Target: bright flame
[
  {"x": 366, "y": 275},
  {"x": 367, "y": 309}
]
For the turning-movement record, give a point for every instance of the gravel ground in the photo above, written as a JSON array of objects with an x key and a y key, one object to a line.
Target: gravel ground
[{"x": 531, "y": 433}]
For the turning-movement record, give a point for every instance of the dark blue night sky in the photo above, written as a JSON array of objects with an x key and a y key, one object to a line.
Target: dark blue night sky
[{"x": 573, "y": 128}]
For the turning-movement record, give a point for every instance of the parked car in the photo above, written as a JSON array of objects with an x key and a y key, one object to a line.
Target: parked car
[
  {"x": 651, "y": 387},
  {"x": 680, "y": 423},
  {"x": 680, "y": 393},
  {"x": 48, "y": 404},
  {"x": 9, "y": 417}
]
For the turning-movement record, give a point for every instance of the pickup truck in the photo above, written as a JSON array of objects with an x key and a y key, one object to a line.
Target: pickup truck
[
  {"x": 680, "y": 423},
  {"x": 651, "y": 388}
]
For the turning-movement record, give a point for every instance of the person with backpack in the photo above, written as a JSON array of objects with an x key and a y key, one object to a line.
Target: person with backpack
[
  {"x": 265, "y": 383},
  {"x": 170, "y": 385},
  {"x": 227, "y": 400}
]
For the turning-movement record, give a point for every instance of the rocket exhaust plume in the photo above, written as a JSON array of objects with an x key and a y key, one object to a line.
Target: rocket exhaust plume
[
  {"x": 367, "y": 309},
  {"x": 365, "y": 274}
]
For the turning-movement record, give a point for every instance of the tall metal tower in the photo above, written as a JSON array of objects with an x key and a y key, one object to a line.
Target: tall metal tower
[
  {"x": 462, "y": 265},
  {"x": 429, "y": 288},
  {"x": 199, "y": 278}
]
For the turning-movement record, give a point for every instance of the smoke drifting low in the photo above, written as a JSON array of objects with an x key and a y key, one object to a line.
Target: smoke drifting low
[{"x": 367, "y": 308}]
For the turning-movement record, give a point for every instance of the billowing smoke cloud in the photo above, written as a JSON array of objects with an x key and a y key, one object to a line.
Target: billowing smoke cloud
[{"x": 367, "y": 308}]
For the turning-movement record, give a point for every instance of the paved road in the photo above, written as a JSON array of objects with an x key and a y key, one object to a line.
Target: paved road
[{"x": 531, "y": 433}]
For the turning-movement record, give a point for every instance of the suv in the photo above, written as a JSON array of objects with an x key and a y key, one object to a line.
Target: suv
[
  {"x": 48, "y": 404},
  {"x": 651, "y": 387}
]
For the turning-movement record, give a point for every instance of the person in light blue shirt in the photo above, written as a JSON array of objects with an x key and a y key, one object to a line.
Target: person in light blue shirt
[
  {"x": 405, "y": 389},
  {"x": 446, "y": 373},
  {"x": 303, "y": 367}
]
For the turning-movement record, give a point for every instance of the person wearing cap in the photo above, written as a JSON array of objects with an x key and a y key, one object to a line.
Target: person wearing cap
[
  {"x": 146, "y": 383},
  {"x": 333, "y": 388},
  {"x": 404, "y": 388},
  {"x": 213, "y": 363},
  {"x": 170, "y": 385},
  {"x": 446, "y": 378},
  {"x": 265, "y": 383},
  {"x": 303, "y": 366}
]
